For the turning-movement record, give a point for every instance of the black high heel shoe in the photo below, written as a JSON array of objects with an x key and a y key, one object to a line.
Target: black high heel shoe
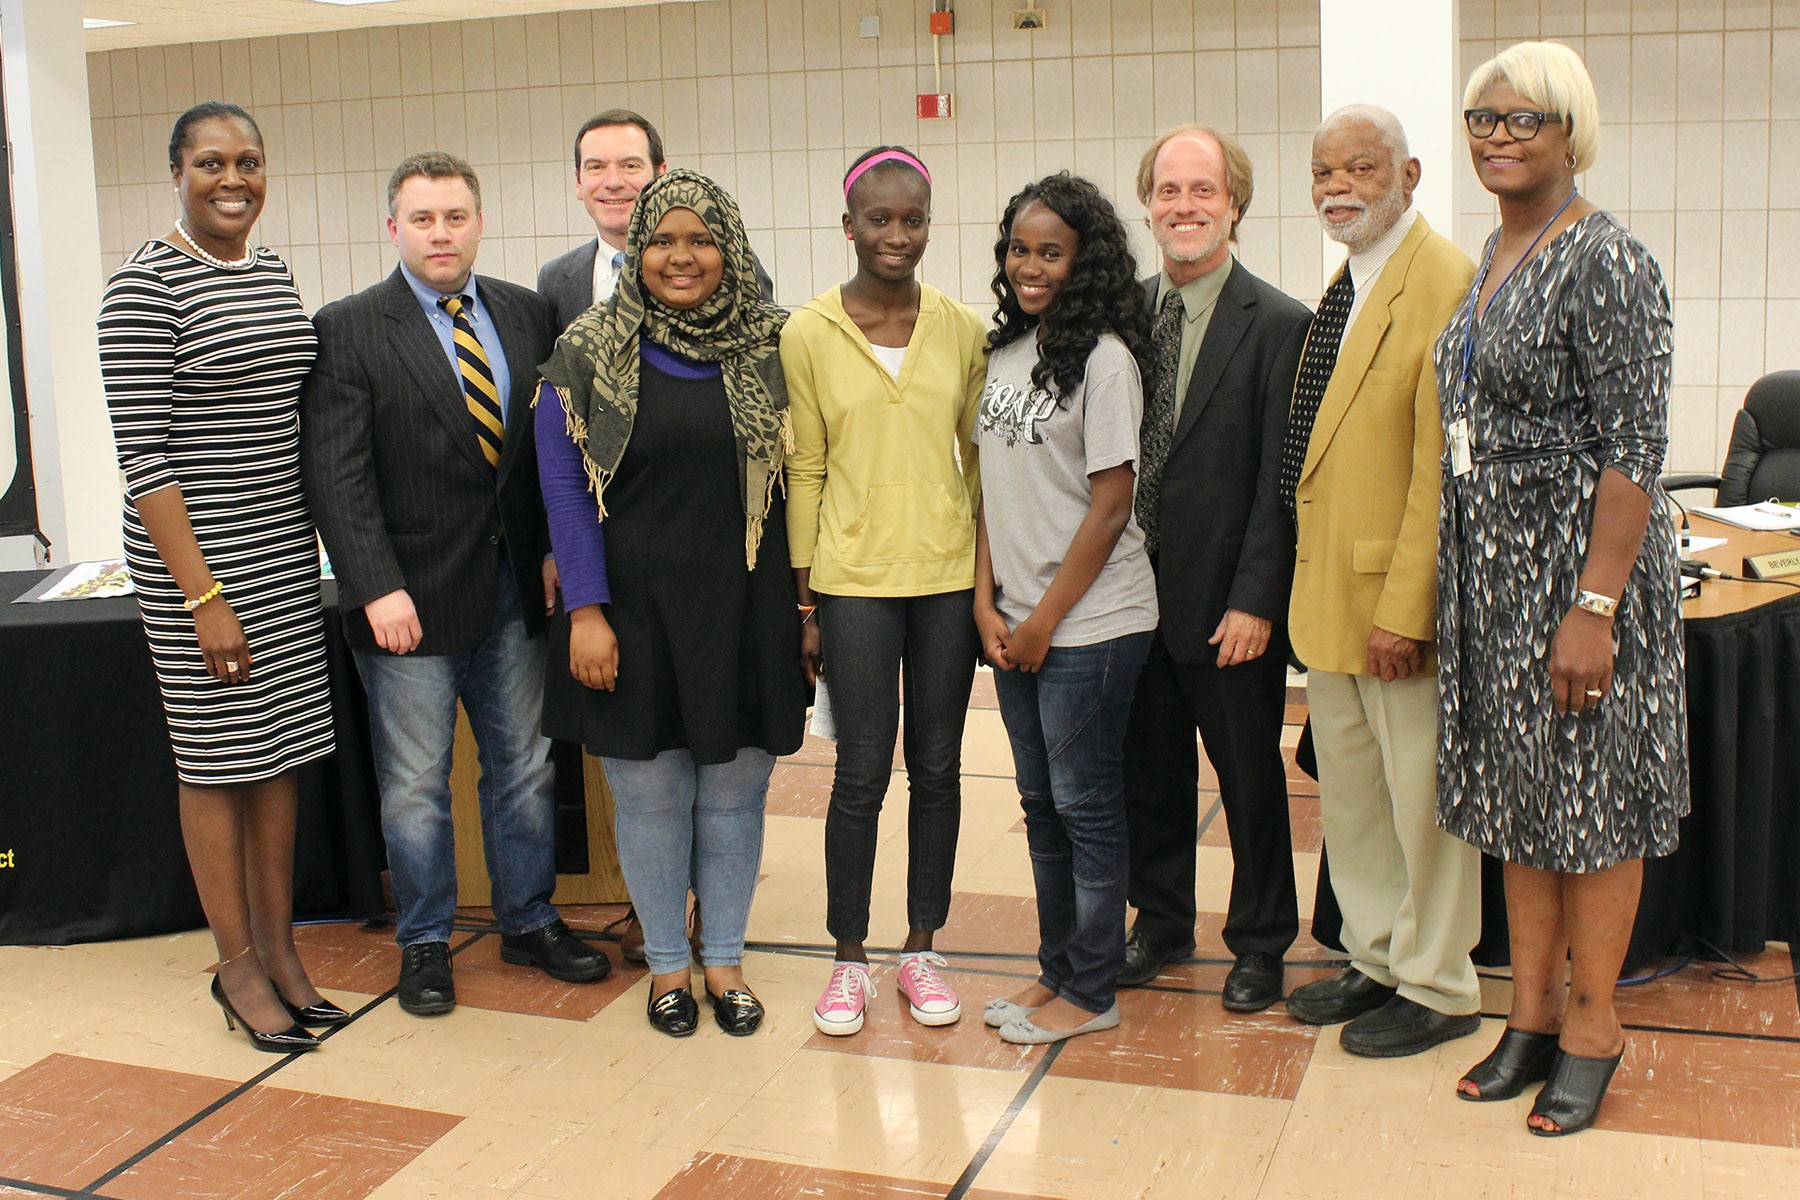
[
  {"x": 289, "y": 1041},
  {"x": 1571, "y": 1096},
  {"x": 674, "y": 1012},
  {"x": 1519, "y": 1058},
  {"x": 324, "y": 1013},
  {"x": 738, "y": 1011}
]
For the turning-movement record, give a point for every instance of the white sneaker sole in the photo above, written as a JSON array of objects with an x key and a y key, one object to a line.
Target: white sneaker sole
[
  {"x": 949, "y": 1016},
  {"x": 836, "y": 1028}
]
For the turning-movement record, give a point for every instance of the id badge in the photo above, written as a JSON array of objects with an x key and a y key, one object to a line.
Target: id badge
[{"x": 1462, "y": 461}]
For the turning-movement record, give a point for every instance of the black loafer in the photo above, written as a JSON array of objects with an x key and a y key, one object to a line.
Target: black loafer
[
  {"x": 1343, "y": 997},
  {"x": 674, "y": 1013},
  {"x": 1519, "y": 1059},
  {"x": 1253, "y": 984},
  {"x": 426, "y": 985},
  {"x": 1402, "y": 1027},
  {"x": 1146, "y": 954},
  {"x": 556, "y": 950},
  {"x": 738, "y": 1012}
]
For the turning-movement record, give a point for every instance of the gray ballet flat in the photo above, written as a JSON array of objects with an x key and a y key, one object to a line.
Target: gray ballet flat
[
  {"x": 1023, "y": 1033},
  {"x": 1003, "y": 1012}
]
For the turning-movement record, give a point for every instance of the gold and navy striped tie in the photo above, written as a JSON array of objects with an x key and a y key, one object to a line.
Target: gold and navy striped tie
[{"x": 479, "y": 391}]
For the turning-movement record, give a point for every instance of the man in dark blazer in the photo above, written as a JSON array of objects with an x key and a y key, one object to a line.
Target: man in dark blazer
[
  {"x": 1226, "y": 349},
  {"x": 616, "y": 154},
  {"x": 420, "y": 468}
]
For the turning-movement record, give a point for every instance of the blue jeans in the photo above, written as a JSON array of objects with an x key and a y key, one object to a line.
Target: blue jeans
[
  {"x": 1067, "y": 727},
  {"x": 679, "y": 826},
  {"x": 866, "y": 640},
  {"x": 412, "y": 720}
]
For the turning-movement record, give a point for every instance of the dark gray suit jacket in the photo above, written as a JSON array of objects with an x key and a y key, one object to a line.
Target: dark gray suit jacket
[
  {"x": 1226, "y": 538},
  {"x": 400, "y": 491},
  {"x": 567, "y": 281}
]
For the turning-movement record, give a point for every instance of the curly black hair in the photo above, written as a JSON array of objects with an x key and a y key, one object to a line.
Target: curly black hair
[{"x": 1103, "y": 295}]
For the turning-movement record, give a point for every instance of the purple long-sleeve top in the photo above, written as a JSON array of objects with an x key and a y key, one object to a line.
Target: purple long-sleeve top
[{"x": 576, "y": 535}]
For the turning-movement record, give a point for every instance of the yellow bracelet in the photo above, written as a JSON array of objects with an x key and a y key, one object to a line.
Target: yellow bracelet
[{"x": 211, "y": 593}]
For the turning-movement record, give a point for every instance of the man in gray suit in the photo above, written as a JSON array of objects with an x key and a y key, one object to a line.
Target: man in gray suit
[
  {"x": 419, "y": 466},
  {"x": 616, "y": 154}
]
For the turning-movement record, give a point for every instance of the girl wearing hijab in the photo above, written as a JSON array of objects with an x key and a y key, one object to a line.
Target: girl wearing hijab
[{"x": 662, "y": 426}]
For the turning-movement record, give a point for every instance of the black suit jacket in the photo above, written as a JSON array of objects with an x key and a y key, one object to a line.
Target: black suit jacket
[
  {"x": 1226, "y": 540},
  {"x": 400, "y": 491},
  {"x": 567, "y": 281}
]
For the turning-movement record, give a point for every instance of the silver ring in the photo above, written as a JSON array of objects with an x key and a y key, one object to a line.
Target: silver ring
[
  {"x": 1596, "y": 693},
  {"x": 231, "y": 665}
]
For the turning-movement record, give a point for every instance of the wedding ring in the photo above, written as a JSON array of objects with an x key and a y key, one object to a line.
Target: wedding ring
[{"x": 1596, "y": 693}]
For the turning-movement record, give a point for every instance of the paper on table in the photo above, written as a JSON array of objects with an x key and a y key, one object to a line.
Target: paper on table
[
  {"x": 1699, "y": 545},
  {"x": 1769, "y": 515},
  {"x": 83, "y": 581}
]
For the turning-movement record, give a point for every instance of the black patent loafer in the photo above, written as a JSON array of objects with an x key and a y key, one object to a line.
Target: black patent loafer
[
  {"x": 674, "y": 1013},
  {"x": 426, "y": 985},
  {"x": 1519, "y": 1059},
  {"x": 738, "y": 1012},
  {"x": 1253, "y": 984},
  {"x": 1403, "y": 1027},
  {"x": 557, "y": 951},
  {"x": 1146, "y": 954},
  {"x": 1344, "y": 997}
]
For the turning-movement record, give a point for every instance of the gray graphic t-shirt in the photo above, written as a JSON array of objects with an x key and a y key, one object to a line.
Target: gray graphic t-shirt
[{"x": 1036, "y": 456}]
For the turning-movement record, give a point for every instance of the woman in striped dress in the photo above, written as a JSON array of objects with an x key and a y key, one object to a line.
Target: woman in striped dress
[{"x": 203, "y": 346}]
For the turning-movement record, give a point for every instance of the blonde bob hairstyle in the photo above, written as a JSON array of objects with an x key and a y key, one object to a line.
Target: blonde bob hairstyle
[
  {"x": 1240, "y": 179},
  {"x": 1550, "y": 74}
]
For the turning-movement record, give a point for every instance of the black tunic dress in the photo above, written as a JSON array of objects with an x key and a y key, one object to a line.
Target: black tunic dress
[{"x": 709, "y": 651}]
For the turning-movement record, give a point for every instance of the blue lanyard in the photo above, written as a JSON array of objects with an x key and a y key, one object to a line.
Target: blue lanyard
[{"x": 1474, "y": 301}]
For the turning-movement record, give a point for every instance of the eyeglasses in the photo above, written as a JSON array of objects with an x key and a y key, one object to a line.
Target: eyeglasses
[{"x": 1523, "y": 125}]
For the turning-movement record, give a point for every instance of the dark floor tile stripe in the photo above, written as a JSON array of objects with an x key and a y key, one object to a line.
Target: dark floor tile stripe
[
  {"x": 1206, "y": 821},
  {"x": 41, "y": 1189},
  {"x": 966, "y": 1180},
  {"x": 244, "y": 1087}
]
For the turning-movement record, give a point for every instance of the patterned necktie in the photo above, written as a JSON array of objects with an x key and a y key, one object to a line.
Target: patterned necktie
[
  {"x": 479, "y": 392},
  {"x": 1315, "y": 373},
  {"x": 1157, "y": 434}
]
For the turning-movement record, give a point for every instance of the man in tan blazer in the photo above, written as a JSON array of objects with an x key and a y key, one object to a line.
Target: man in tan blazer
[{"x": 1363, "y": 450}]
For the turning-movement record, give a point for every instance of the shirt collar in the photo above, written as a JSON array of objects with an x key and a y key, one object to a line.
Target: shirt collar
[
  {"x": 429, "y": 296},
  {"x": 1197, "y": 295},
  {"x": 1366, "y": 264}
]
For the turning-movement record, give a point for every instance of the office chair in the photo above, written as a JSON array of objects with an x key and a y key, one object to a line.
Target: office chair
[{"x": 1763, "y": 461}]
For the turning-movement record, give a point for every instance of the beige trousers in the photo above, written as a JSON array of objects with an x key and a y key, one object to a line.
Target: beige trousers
[{"x": 1410, "y": 893}]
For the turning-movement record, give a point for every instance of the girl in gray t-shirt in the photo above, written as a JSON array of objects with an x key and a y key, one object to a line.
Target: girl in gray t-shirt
[{"x": 1064, "y": 597}]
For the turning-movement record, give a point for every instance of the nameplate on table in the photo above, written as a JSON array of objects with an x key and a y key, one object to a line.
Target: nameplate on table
[{"x": 1772, "y": 566}]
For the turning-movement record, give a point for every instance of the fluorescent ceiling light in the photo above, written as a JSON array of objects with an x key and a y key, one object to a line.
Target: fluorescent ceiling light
[
  {"x": 102, "y": 23},
  {"x": 351, "y": 3}
]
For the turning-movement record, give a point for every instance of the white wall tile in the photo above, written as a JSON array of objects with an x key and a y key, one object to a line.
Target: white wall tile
[
  {"x": 1215, "y": 90},
  {"x": 1090, "y": 27},
  {"x": 1700, "y": 14},
  {"x": 1700, "y": 76},
  {"x": 1258, "y": 23},
  {"x": 1696, "y": 343},
  {"x": 1744, "y": 255},
  {"x": 1693, "y": 429},
  {"x": 383, "y": 49},
  {"x": 353, "y": 65},
  {"x": 1784, "y": 261},
  {"x": 1258, "y": 92},
  {"x": 1172, "y": 86},
  {"x": 1747, "y": 14},
  {"x": 1741, "y": 341},
  {"x": 1653, "y": 68},
  {"x": 1699, "y": 151},
  {"x": 1746, "y": 93}
]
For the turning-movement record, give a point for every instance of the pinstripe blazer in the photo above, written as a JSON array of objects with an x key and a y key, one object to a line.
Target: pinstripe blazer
[{"x": 401, "y": 493}]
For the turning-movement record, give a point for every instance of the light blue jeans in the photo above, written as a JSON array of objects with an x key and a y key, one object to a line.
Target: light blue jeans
[
  {"x": 412, "y": 721},
  {"x": 680, "y": 826}
]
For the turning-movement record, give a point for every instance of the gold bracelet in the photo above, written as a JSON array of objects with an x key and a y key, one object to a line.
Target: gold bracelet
[{"x": 211, "y": 593}]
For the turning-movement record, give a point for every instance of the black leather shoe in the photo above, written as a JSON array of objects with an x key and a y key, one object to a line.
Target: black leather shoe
[
  {"x": 1146, "y": 954},
  {"x": 1402, "y": 1027},
  {"x": 1570, "y": 1098},
  {"x": 737, "y": 1012},
  {"x": 324, "y": 1013},
  {"x": 557, "y": 950},
  {"x": 1344, "y": 996},
  {"x": 291, "y": 1040},
  {"x": 674, "y": 1013},
  {"x": 1253, "y": 984},
  {"x": 1519, "y": 1059},
  {"x": 426, "y": 986}
]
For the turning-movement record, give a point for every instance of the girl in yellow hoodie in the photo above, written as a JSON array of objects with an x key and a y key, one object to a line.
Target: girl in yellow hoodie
[{"x": 884, "y": 374}]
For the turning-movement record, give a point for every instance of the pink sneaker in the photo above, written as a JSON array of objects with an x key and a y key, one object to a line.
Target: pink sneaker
[
  {"x": 839, "y": 1011},
  {"x": 933, "y": 1001}
]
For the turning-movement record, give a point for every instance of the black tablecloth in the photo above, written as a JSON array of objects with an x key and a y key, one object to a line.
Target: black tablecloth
[
  {"x": 90, "y": 837},
  {"x": 1734, "y": 882}
]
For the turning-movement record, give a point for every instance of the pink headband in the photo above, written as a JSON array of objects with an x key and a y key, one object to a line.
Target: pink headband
[{"x": 900, "y": 156}]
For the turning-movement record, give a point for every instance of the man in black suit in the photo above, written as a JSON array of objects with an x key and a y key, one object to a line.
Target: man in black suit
[
  {"x": 1226, "y": 350},
  {"x": 616, "y": 154},
  {"x": 419, "y": 465}
]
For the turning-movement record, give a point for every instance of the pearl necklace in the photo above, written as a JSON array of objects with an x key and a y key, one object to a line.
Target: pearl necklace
[{"x": 242, "y": 264}]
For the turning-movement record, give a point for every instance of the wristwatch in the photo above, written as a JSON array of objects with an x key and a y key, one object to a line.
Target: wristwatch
[{"x": 1594, "y": 602}]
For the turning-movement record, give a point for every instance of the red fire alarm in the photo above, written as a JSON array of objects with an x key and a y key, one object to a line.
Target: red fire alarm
[
  {"x": 943, "y": 23},
  {"x": 932, "y": 107}
]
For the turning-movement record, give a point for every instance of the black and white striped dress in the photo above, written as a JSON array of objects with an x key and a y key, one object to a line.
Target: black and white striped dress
[{"x": 203, "y": 368}]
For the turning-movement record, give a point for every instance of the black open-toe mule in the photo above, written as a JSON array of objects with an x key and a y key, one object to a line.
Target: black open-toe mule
[
  {"x": 1571, "y": 1097},
  {"x": 1519, "y": 1058}
]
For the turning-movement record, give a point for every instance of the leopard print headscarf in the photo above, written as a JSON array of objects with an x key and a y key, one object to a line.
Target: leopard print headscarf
[{"x": 594, "y": 367}]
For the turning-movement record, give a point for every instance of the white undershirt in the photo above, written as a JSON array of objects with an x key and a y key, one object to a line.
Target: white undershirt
[
  {"x": 1366, "y": 265},
  {"x": 890, "y": 357},
  {"x": 607, "y": 264}
]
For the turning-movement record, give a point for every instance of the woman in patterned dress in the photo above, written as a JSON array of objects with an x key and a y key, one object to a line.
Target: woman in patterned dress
[
  {"x": 203, "y": 346},
  {"x": 1562, "y": 741}
]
